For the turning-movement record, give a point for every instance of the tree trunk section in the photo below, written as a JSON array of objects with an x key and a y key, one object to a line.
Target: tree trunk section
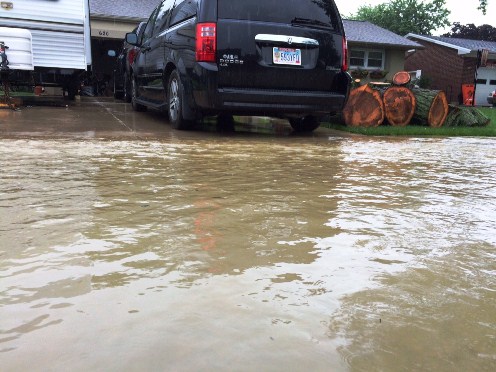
[
  {"x": 432, "y": 107},
  {"x": 399, "y": 105},
  {"x": 365, "y": 108},
  {"x": 401, "y": 78}
]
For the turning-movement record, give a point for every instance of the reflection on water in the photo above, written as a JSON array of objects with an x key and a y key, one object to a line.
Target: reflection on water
[{"x": 278, "y": 254}]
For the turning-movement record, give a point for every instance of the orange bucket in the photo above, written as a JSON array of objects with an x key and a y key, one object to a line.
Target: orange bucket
[{"x": 468, "y": 94}]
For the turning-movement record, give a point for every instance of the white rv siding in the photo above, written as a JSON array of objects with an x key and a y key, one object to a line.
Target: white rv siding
[
  {"x": 20, "y": 52},
  {"x": 57, "y": 11},
  {"x": 58, "y": 49},
  {"x": 60, "y": 30}
]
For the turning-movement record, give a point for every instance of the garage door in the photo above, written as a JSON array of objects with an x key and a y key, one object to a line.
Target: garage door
[{"x": 486, "y": 83}]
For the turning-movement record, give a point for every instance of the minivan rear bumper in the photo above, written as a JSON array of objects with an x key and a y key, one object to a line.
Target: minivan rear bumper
[
  {"x": 207, "y": 96},
  {"x": 279, "y": 100}
]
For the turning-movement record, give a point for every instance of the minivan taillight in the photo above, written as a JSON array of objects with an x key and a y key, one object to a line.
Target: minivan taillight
[
  {"x": 206, "y": 42},
  {"x": 131, "y": 55},
  {"x": 344, "y": 64}
]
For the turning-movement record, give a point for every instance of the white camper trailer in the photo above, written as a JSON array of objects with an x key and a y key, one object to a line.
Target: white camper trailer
[
  {"x": 20, "y": 56},
  {"x": 60, "y": 34}
]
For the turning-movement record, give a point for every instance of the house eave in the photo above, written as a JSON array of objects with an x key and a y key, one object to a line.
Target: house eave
[
  {"x": 107, "y": 17},
  {"x": 461, "y": 51},
  {"x": 384, "y": 45}
]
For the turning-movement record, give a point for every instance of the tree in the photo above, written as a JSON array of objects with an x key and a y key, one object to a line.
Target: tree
[
  {"x": 405, "y": 16},
  {"x": 482, "y": 6},
  {"x": 470, "y": 31}
]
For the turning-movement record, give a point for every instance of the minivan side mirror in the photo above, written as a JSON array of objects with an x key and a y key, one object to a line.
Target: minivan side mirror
[{"x": 132, "y": 38}]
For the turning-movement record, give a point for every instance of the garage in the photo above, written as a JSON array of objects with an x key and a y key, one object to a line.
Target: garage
[
  {"x": 110, "y": 21},
  {"x": 486, "y": 83}
]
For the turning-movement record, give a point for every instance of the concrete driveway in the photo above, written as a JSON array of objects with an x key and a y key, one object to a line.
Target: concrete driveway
[{"x": 102, "y": 117}]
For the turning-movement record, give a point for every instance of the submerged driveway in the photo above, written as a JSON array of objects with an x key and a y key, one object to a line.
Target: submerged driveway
[
  {"x": 98, "y": 117},
  {"x": 128, "y": 246}
]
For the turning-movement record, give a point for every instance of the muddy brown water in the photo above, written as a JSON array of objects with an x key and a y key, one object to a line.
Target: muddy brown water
[{"x": 248, "y": 253}]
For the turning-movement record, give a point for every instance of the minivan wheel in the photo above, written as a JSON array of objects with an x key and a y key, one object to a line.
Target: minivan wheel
[
  {"x": 175, "y": 103},
  {"x": 134, "y": 95},
  {"x": 305, "y": 124}
]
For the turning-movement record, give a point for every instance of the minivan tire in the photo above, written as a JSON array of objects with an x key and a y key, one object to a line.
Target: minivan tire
[
  {"x": 134, "y": 95},
  {"x": 175, "y": 102},
  {"x": 305, "y": 124}
]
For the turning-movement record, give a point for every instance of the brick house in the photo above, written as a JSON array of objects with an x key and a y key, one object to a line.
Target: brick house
[{"x": 450, "y": 62}]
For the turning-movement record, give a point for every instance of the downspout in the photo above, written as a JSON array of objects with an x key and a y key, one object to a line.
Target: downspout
[{"x": 479, "y": 59}]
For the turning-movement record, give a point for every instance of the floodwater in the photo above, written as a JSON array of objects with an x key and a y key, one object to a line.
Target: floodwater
[{"x": 243, "y": 253}]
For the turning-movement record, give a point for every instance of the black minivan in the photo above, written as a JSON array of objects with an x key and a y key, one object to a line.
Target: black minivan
[{"x": 280, "y": 58}]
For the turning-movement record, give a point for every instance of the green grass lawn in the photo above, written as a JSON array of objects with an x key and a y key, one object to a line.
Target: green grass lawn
[{"x": 414, "y": 130}]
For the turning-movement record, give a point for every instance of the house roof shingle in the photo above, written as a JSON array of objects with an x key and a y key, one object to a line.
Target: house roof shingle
[
  {"x": 455, "y": 43},
  {"x": 134, "y": 9},
  {"x": 368, "y": 33}
]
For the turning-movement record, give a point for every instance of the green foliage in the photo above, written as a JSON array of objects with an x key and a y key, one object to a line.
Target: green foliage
[
  {"x": 405, "y": 16},
  {"x": 470, "y": 31},
  {"x": 482, "y": 6}
]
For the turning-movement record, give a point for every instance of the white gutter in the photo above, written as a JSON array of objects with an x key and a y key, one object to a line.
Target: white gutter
[{"x": 461, "y": 51}]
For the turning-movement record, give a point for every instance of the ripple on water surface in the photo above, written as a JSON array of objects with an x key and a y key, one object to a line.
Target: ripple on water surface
[{"x": 327, "y": 255}]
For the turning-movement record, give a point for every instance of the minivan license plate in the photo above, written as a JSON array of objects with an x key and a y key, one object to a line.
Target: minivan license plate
[{"x": 287, "y": 56}]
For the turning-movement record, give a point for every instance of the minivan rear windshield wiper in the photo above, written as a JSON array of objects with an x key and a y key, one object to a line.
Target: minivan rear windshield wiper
[{"x": 310, "y": 22}]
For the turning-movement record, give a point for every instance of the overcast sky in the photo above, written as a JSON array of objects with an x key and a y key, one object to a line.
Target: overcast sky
[{"x": 463, "y": 11}]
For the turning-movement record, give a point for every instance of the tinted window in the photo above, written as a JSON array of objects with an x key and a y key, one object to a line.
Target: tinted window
[
  {"x": 280, "y": 11},
  {"x": 140, "y": 30},
  {"x": 184, "y": 9},
  {"x": 150, "y": 25},
  {"x": 163, "y": 16}
]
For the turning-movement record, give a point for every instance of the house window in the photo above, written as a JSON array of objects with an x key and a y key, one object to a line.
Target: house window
[
  {"x": 370, "y": 59},
  {"x": 492, "y": 82},
  {"x": 357, "y": 58},
  {"x": 375, "y": 59}
]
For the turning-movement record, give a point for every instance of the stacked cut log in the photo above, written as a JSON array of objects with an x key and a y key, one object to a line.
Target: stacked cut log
[
  {"x": 365, "y": 108},
  {"x": 398, "y": 105},
  {"x": 431, "y": 108}
]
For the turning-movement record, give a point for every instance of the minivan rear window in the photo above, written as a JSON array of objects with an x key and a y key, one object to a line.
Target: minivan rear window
[{"x": 322, "y": 12}]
